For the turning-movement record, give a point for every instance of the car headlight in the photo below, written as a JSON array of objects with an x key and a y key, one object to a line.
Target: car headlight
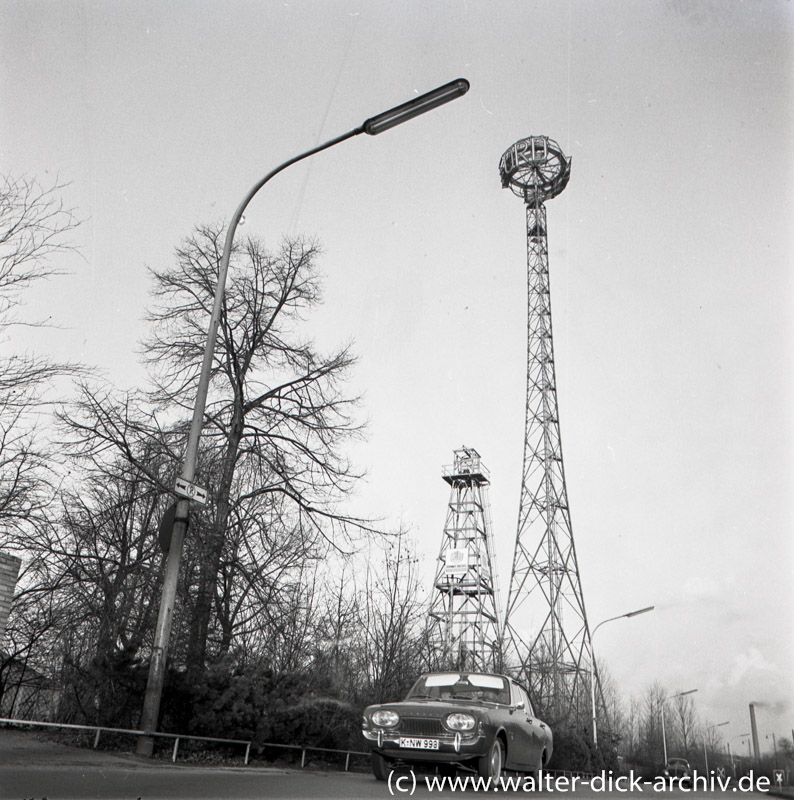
[
  {"x": 461, "y": 722},
  {"x": 385, "y": 719}
]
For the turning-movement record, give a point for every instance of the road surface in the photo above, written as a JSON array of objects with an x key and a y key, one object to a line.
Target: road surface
[{"x": 36, "y": 769}]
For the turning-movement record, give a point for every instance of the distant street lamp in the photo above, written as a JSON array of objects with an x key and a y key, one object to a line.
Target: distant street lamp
[
  {"x": 730, "y": 752},
  {"x": 664, "y": 702},
  {"x": 708, "y": 728},
  {"x": 185, "y": 487},
  {"x": 593, "y": 674}
]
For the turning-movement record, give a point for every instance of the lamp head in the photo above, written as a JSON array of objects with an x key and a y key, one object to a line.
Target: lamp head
[
  {"x": 640, "y": 611},
  {"x": 413, "y": 108}
]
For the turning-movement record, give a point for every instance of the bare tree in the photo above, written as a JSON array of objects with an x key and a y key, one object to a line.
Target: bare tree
[
  {"x": 275, "y": 420},
  {"x": 34, "y": 225},
  {"x": 612, "y": 721},
  {"x": 33, "y": 642},
  {"x": 391, "y": 623},
  {"x": 629, "y": 731},
  {"x": 683, "y": 729},
  {"x": 713, "y": 742},
  {"x": 93, "y": 568},
  {"x": 34, "y": 228},
  {"x": 337, "y": 634},
  {"x": 276, "y": 414},
  {"x": 268, "y": 596},
  {"x": 651, "y": 747}
]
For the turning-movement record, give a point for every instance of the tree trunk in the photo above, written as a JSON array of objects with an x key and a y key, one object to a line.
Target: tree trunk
[{"x": 210, "y": 554}]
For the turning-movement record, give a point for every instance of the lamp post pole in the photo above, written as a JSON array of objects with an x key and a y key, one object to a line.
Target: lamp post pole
[
  {"x": 705, "y": 754},
  {"x": 593, "y": 672},
  {"x": 730, "y": 751},
  {"x": 185, "y": 487},
  {"x": 664, "y": 703}
]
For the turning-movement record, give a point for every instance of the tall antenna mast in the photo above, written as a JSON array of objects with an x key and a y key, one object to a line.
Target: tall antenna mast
[
  {"x": 464, "y": 615},
  {"x": 546, "y": 635}
]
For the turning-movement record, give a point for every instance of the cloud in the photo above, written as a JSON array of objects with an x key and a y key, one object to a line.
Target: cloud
[
  {"x": 698, "y": 588},
  {"x": 746, "y": 664}
]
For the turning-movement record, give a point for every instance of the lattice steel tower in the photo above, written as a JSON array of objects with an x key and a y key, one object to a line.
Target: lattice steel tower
[
  {"x": 464, "y": 614},
  {"x": 546, "y": 636}
]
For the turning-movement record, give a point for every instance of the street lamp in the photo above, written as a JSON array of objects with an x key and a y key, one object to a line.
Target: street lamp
[
  {"x": 593, "y": 674},
  {"x": 185, "y": 488},
  {"x": 664, "y": 736},
  {"x": 730, "y": 751},
  {"x": 708, "y": 728}
]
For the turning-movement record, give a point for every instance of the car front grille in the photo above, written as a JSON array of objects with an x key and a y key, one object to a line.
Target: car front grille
[{"x": 420, "y": 726}]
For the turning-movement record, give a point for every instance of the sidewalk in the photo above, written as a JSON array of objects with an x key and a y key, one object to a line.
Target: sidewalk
[{"x": 31, "y": 748}]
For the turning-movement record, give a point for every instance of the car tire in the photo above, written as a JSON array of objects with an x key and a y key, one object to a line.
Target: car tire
[
  {"x": 380, "y": 766},
  {"x": 490, "y": 765}
]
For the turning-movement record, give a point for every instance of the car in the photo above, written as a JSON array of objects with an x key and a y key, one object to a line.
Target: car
[
  {"x": 677, "y": 770},
  {"x": 477, "y": 720}
]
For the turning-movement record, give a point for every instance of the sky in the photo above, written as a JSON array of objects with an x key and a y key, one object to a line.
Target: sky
[{"x": 670, "y": 257}]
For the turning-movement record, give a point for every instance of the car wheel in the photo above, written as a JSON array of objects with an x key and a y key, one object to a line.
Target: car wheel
[
  {"x": 490, "y": 765},
  {"x": 380, "y": 766}
]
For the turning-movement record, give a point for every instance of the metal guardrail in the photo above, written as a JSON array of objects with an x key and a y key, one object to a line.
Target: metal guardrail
[
  {"x": 100, "y": 729},
  {"x": 304, "y": 749},
  {"x": 178, "y": 736},
  {"x": 569, "y": 773}
]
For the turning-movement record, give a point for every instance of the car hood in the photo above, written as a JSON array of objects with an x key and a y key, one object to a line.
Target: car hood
[{"x": 432, "y": 708}]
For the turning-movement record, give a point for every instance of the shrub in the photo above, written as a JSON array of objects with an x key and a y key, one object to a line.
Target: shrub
[{"x": 263, "y": 707}]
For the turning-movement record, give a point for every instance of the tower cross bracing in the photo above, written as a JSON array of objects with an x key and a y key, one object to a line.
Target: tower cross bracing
[
  {"x": 546, "y": 635},
  {"x": 465, "y": 625}
]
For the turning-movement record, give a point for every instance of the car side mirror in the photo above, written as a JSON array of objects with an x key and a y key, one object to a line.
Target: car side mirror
[{"x": 519, "y": 705}]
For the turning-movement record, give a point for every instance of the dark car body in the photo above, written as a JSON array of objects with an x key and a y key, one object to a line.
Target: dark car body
[
  {"x": 677, "y": 770},
  {"x": 479, "y": 720}
]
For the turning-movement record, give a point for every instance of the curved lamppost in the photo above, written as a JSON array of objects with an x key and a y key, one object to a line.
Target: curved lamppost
[
  {"x": 664, "y": 703},
  {"x": 592, "y": 674},
  {"x": 185, "y": 488}
]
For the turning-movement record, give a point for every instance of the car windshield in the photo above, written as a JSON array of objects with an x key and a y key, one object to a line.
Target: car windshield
[{"x": 461, "y": 686}]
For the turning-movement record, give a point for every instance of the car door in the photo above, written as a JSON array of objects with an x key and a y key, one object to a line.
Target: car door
[
  {"x": 521, "y": 730},
  {"x": 538, "y": 728}
]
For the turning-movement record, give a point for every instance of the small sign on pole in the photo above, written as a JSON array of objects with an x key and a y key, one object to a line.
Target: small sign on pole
[{"x": 190, "y": 490}]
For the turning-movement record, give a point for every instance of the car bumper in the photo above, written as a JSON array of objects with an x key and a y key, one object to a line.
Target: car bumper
[{"x": 451, "y": 746}]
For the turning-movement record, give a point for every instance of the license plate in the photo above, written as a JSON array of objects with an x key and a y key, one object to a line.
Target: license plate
[{"x": 419, "y": 744}]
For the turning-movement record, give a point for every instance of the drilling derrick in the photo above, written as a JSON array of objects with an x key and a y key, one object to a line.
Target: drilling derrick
[
  {"x": 546, "y": 636},
  {"x": 464, "y": 614}
]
